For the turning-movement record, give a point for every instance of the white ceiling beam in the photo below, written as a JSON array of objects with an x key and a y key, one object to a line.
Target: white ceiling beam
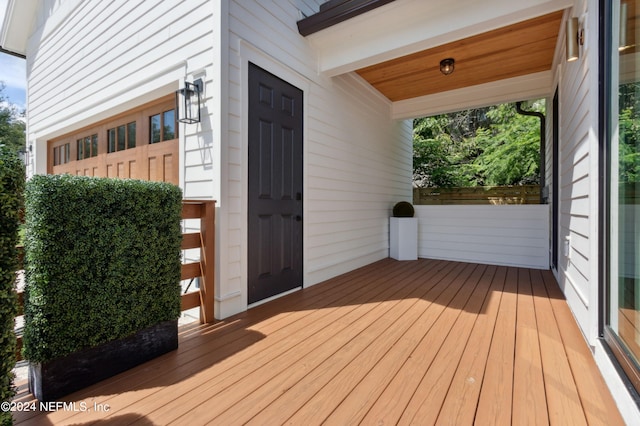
[
  {"x": 408, "y": 26},
  {"x": 532, "y": 86}
]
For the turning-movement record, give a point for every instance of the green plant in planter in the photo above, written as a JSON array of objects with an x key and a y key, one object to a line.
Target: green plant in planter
[
  {"x": 403, "y": 209},
  {"x": 11, "y": 204},
  {"x": 102, "y": 261}
]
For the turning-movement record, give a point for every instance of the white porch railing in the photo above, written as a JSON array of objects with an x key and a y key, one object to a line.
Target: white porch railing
[{"x": 510, "y": 235}]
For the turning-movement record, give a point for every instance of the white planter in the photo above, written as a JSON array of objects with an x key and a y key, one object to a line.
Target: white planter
[{"x": 403, "y": 238}]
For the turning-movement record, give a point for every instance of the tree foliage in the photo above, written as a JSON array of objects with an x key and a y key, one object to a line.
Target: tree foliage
[
  {"x": 485, "y": 146},
  {"x": 12, "y": 126},
  {"x": 510, "y": 149},
  {"x": 629, "y": 128},
  {"x": 11, "y": 206}
]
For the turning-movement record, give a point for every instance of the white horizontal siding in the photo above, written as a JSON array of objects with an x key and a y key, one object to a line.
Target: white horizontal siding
[
  {"x": 511, "y": 235},
  {"x": 358, "y": 167},
  {"x": 88, "y": 61},
  {"x": 357, "y": 160},
  {"x": 577, "y": 263},
  {"x": 103, "y": 47},
  {"x": 579, "y": 202}
]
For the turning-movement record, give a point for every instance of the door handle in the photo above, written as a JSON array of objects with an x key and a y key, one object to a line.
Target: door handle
[{"x": 298, "y": 218}]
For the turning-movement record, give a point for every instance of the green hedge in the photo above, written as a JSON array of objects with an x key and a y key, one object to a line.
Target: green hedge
[
  {"x": 11, "y": 204},
  {"x": 102, "y": 261}
]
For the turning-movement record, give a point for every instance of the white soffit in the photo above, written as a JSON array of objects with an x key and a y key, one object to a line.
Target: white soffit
[
  {"x": 532, "y": 86},
  {"x": 17, "y": 25},
  {"x": 408, "y": 26}
]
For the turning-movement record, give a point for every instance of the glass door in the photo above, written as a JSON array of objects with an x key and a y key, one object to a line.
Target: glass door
[{"x": 623, "y": 152}]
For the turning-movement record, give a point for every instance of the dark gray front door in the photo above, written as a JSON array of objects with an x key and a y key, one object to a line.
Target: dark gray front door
[{"x": 275, "y": 186}]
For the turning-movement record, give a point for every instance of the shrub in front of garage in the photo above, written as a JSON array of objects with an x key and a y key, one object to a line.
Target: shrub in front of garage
[{"x": 102, "y": 294}]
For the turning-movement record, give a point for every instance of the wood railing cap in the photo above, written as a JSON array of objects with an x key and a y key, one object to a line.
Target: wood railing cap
[{"x": 194, "y": 201}]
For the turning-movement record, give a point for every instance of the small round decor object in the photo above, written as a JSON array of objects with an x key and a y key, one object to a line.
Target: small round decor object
[{"x": 403, "y": 209}]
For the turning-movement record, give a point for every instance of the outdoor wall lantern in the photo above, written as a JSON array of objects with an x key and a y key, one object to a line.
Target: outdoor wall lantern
[
  {"x": 24, "y": 155},
  {"x": 574, "y": 38},
  {"x": 188, "y": 102},
  {"x": 447, "y": 66}
]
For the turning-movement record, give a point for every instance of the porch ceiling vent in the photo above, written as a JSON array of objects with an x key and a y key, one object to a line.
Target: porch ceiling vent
[{"x": 188, "y": 102}]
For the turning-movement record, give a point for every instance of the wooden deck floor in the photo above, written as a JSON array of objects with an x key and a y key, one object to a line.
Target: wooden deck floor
[{"x": 418, "y": 342}]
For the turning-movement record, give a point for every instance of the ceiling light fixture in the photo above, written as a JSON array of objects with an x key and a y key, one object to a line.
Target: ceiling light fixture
[{"x": 447, "y": 66}]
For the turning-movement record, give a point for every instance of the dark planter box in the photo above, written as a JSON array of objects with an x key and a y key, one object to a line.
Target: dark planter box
[{"x": 54, "y": 379}]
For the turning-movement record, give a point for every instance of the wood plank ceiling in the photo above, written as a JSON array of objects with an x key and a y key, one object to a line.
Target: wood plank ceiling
[{"x": 523, "y": 48}]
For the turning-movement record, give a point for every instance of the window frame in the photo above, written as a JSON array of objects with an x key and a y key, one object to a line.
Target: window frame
[
  {"x": 161, "y": 115},
  {"x": 612, "y": 342}
]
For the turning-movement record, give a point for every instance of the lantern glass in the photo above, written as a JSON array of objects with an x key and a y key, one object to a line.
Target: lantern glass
[{"x": 188, "y": 102}]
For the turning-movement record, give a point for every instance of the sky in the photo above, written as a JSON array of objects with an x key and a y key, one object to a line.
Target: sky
[{"x": 13, "y": 73}]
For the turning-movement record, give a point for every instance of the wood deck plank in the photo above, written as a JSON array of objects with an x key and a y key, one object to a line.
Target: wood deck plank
[
  {"x": 386, "y": 340},
  {"x": 267, "y": 355},
  {"x": 529, "y": 399},
  {"x": 364, "y": 395},
  {"x": 496, "y": 394},
  {"x": 436, "y": 382},
  {"x": 280, "y": 341},
  {"x": 461, "y": 402},
  {"x": 562, "y": 396},
  {"x": 145, "y": 381},
  {"x": 597, "y": 402},
  {"x": 390, "y": 405},
  {"x": 327, "y": 399},
  {"x": 323, "y": 363},
  {"x": 275, "y": 410}
]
